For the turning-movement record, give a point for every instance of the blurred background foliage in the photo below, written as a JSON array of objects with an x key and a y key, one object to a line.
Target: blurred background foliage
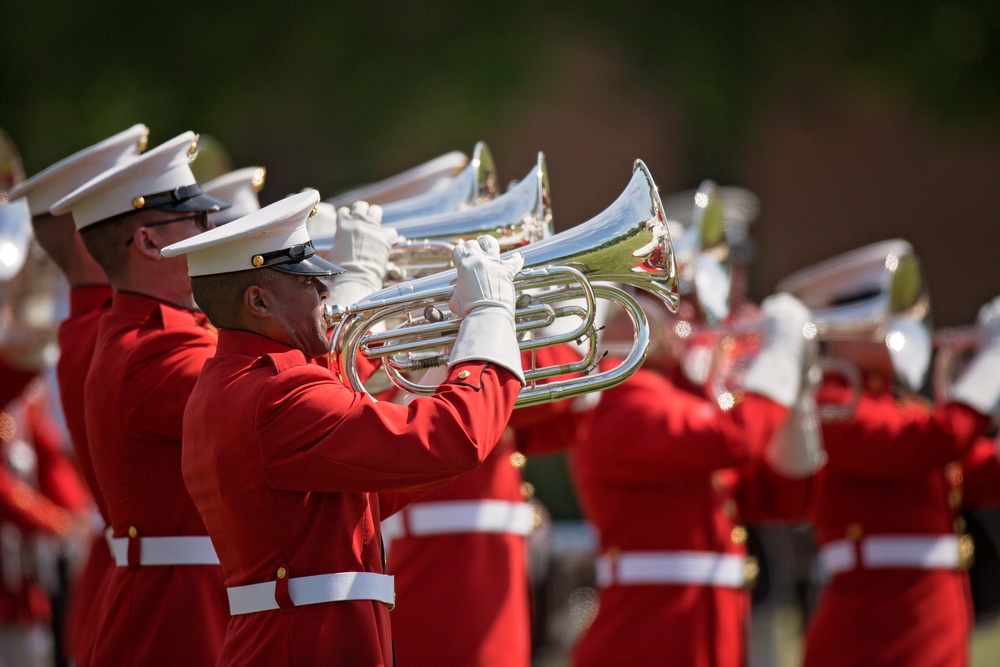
[
  {"x": 853, "y": 121},
  {"x": 338, "y": 93}
]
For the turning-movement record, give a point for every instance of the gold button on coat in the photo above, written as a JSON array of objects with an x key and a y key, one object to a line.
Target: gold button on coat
[
  {"x": 133, "y": 532},
  {"x": 464, "y": 374},
  {"x": 282, "y": 572}
]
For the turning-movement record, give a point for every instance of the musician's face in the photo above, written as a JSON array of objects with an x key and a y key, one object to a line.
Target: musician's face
[{"x": 298, "y": 306}]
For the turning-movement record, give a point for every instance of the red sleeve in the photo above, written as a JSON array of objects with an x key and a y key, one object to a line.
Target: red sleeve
[
  {"x": 981, "y": 474},
  {"x": 765, "y": 495},
  {"x": 12, "y": 382},
  {"x": 29, "y": 510},
  {"x": 887, "y": 438},
  {"x": 315, "y": 434},
  {"x": 646, "y": 429},
  {"x": 58, "y": 478},
  {"x": 548, "y": 427}
]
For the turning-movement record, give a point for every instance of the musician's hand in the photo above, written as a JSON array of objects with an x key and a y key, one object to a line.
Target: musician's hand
[
  {"x": 777, "y": 369},
  {"x": 484, "y": 298},
  {"x": 360, "y": 247},
  {"x": 979, "y": 385},
  {"x": 483, "y": 278},
  {"x": 784, "y": 318}
]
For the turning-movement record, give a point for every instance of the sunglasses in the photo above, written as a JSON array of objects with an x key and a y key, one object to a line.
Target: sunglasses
[{"x": 201, "y": 217}]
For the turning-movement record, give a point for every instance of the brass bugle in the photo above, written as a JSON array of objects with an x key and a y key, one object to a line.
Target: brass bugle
[
  {"x": 475, "y": 184},
  {"x": 627, "y": 243},
  {"x": 520, "y": 216}
]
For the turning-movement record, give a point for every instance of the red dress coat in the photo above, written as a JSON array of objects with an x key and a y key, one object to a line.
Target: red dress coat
[
  {"x": 14, "y": 380},
  {"x": 462, "y": 595},
  {"x": 77, "y": 338},
  {"x": 653, "y": 469},
  {"x": 147, "y": 358},
  {"x": 887, "y": 476},
  {"x": 286, "y": 465},
  {"x": 979, "y": 475}
]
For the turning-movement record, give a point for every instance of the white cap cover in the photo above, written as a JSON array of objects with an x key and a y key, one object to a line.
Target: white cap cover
[
  {"x": 56, "y": 181},
  {"x": 240, "y": 189},
  {"x": 274, "y": 236},
  {"x": 161, "y": 179}
]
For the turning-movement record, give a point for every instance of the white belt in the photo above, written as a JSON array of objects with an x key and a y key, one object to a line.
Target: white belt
[
  {"x": 314, "y": 589},
  {"x": 672, "y": 567},
  {"x": 166, "y": 551},
  {"x": 475, "y": 516},
  {"x": 927, "y": 552}
]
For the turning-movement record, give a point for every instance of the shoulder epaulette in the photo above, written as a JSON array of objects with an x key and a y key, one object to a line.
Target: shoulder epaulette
[
  {"x": 283, "y": 361},
  {"x": 176, "y": 318}
]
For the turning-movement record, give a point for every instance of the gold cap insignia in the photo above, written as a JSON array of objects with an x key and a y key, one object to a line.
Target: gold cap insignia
[
  {"x": 193, "y": 149},
  {"x": 139, "y": 202},
  {"x": 143, "y": 142},
  {"x": 314, "y": 211},
  {"x": 257, "y": 261},
  {"x": 257, "y": 182}
]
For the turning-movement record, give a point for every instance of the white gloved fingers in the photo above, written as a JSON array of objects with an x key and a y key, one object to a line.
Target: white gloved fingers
[
  {"x": 359, "y": 209},
  {"x": 461, "y": 251},
  {"x": 777, "y": 369},
  {"x": 374, "y": 214},
  {"x": 489, "y": 245},
  {"x": 514, "y": 263},
  {"x": 786, "y": 308},
  {"x": 392, "y": 237}
]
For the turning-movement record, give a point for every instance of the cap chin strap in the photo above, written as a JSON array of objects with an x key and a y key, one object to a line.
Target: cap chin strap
[
  {"x": 171, "y": 197},
  {"x": 296, "y": 253}
]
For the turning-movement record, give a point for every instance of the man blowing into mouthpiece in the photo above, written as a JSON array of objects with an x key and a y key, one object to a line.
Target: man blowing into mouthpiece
[{"x": 287, "y": 465}]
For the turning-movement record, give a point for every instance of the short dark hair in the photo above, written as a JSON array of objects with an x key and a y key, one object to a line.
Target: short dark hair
[
  {"x": 106, "y": 240},
  {"x": 220, "y": 296}
]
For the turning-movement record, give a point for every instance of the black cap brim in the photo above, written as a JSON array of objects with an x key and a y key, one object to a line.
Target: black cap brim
[
  {"x": 314, "y": 265},
  {"x": 196, "y": 204}
]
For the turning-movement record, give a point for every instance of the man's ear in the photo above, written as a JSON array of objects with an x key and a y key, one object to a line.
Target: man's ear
[
  {"x": 257, "y": 300},
  {"x": 144, "y": 240}
]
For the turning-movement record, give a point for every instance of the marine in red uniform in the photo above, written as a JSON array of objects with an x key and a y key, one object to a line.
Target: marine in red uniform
[
  {"x": 459, "y": 553},
  {"x": 886, "y": 522},
  {"x": 667, "y": 477},
  {"x": 165, "y": 600},
  {"x": 287, "y": 465},
  {"x": 89, "y": 299}
]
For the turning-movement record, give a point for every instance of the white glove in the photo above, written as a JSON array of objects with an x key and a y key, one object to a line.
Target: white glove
[
  {"x": 777, "y": 370},
  {"x": 979, "y": 386},
  {"x": 360, "y": 247},
  {"x": 484, "y": 298},
  {"x": 796, "y": 448}
]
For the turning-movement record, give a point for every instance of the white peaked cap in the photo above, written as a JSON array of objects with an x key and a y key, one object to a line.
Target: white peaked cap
[
  {"x": 274, "y": 236},
  {"x": 159, "y": 179},
  {"x": 240, "y": 189},
  {"x": 56, "y": 181}
]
